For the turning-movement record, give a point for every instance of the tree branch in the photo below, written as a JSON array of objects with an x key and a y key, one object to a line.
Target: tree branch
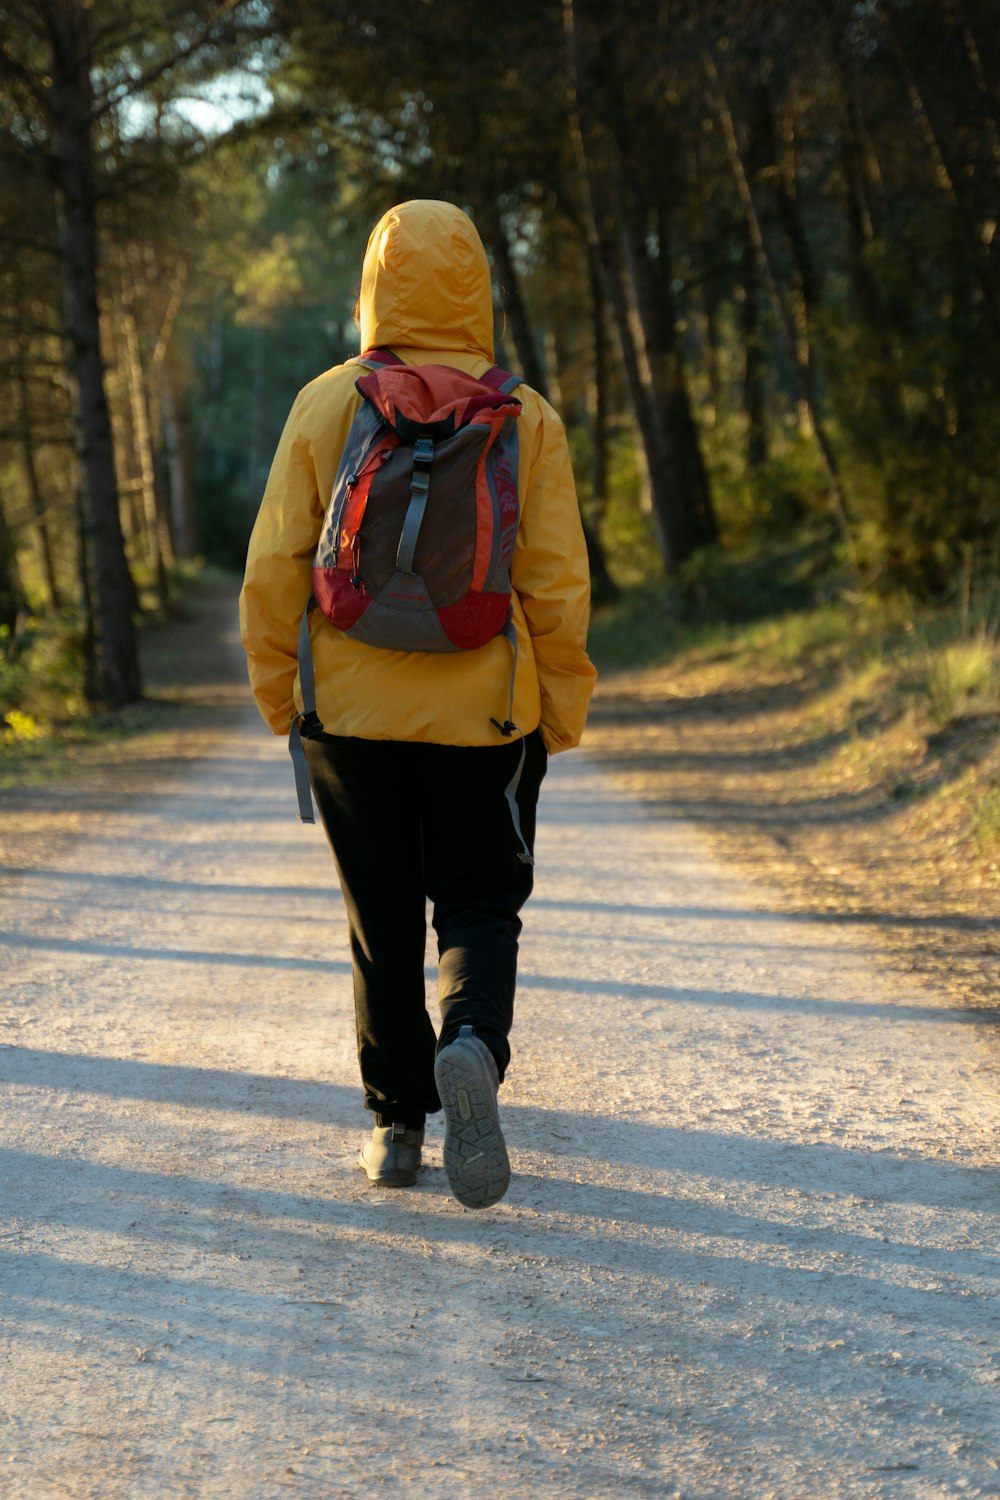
[{"x": 156, "y": 70}]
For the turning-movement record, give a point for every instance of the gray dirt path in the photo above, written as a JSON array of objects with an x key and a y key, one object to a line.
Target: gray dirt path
[{"x": 750, "y": 1249}]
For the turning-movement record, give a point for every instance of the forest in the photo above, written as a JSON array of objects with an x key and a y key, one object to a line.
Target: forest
[{"x": 748, "y": 250}]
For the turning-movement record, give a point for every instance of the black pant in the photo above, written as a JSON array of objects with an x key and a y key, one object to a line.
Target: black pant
[{"x": 409, "y": 821}]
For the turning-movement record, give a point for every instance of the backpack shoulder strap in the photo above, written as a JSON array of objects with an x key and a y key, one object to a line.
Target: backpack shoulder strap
[
  {"x": 380, "y": 356},
  {"x": 495, "y": 378},
  {"x": 501, "y": 380}
]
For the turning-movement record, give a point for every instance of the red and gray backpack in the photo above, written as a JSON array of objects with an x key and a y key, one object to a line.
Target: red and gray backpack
[{"x": 417, "y": 541}]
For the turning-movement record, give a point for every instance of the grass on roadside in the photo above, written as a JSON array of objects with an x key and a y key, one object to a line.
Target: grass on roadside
[
  {"x": 962, "y": 677},
  {"x": 986, "y": 818},
  {"x": 907, "y": 697}
]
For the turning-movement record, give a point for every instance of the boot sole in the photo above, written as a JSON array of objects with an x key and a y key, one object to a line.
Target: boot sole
[{"x": 475, "y": 1153}]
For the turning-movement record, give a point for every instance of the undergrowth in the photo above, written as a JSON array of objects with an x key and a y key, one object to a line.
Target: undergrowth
[
  {"x": 872, "y": 663},
  {"x": 777, "y": 608},
  {"x": 44, "y": 714}
]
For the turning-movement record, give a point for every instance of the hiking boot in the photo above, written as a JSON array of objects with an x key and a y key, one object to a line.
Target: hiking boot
[
  {"x": 392, "y": 1156},
  {"x": 475, "y": 1156}
]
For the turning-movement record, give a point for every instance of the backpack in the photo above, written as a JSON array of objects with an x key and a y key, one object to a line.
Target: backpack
[
  {"x": 415, "y": 550},
  {"x": 416, "y": 544}
]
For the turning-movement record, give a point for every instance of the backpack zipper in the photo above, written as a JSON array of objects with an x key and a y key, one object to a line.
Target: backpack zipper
[{"x": 383, "y": 456}]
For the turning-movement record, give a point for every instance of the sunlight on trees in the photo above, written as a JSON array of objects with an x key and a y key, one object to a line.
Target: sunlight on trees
[{"x": 750, "y": 252}]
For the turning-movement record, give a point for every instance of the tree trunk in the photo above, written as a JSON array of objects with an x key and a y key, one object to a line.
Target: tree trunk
[
  {"x": 706, "y": 297},
  {"x": 804, "y": 288},
  {"x": 804, "y": 372},
  {"x": 532, "y": 367},
  {"x": 88, "y": 633},
  {"x": 180, "y": 460},
  {"x": 950, "y": 173},
  {"x": 677, "y": 479},
  {"x": 987, "y": 95},
  {"x": 639, "y": 380},
  {"x": 603, "y": 588},
  {"x": 597, "y": 393},
  {"x": 35, "y": 496},
  {"x": 255, "y": 457},
  {"x": 678, "y": 483},
  {"x": 157, "y": 545},
  {"x": 13, "y": 606},
  {"x": 683, "y": 437},
  {"x": 754, "y": 365},
  {"x": 712, "y": 356},
  {"x": 866, "y": 288},
  {"x": 991, "y": 118},
  {"x": 861, "y": 176},
  {"x": 71, "y": 104},
  {"x": 127, "y": 480}
]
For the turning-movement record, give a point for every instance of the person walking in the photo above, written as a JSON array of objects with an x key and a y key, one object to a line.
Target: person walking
[{"x": 425, "y": 764}]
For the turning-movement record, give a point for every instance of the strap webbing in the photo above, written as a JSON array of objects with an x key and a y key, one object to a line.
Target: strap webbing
[
  {"x": 307, "y": 676},
  {"x": 307, "y": 687},
  {"x": 524, "y": 855},
  {"x": 423, "y": 457},
  {"x": 300, "y": 770},
  {"x": 501, "y": 380},
  {"x": 381, "y": 355}
]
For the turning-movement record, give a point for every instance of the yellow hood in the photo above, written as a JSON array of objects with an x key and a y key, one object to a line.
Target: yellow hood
[{"x": 426, "y": 282}]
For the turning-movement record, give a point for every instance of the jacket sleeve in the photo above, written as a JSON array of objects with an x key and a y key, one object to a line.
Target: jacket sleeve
[
  {"x": 277, "y": 583},
  {"x": 551, "y": 575}
]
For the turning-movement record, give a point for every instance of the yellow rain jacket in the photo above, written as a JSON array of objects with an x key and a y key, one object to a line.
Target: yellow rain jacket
[{"x": 425, "y": 294}]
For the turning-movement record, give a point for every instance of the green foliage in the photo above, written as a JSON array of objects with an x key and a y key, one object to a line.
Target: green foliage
[
  {"x": 273, "y": 309},
  {"x": 271, "y": 281},
  {"x": 834, "y": 631},
  {"x": 766, "y": 501},
  {"x": 754, "y": 584},
  {"x": 914, "y": 388},
  {"x": 641, "y": 628},
  {"x": 626, "y": 527},
  {"x": 41, "y": 680},
  {"x": 770, "y": 598},
  {"x": 875, "y": 269}
]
